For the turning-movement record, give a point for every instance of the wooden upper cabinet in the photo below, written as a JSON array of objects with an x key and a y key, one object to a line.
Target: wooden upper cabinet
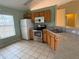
[
  {"x": 42, "y": 13},
  {"x": 27, "y": 15},
  {"x": 47, "y": 15},
  {"x": 33, "y": 17},
  {"x": 34, "y": 14}
]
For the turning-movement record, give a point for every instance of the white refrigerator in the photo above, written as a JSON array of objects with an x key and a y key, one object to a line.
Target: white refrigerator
[{"x": 25, "y": 24}]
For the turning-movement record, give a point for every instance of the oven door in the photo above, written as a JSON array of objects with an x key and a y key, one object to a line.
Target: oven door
[{"x": 37, "y": 35}]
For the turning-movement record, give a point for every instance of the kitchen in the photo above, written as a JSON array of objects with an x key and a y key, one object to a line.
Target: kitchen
[{"x": 45, "y": 28}]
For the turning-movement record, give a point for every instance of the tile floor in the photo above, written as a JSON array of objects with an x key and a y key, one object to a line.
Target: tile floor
[{"x": 26, "y": 50}]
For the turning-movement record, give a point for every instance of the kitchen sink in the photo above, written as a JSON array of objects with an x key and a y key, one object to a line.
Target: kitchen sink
[{"x": 56, "y": 30}]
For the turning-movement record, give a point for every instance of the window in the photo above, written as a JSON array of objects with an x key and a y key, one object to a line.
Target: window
[{"x": 7, "y": 28}]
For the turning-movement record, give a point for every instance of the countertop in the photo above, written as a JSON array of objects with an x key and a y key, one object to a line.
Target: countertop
[
  {"x": 57, "y": 34},
  {"x": 69, "y": 46}
]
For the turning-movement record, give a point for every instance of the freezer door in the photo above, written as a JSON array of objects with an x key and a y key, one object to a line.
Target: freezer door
[{"x": 23, "y": 23}]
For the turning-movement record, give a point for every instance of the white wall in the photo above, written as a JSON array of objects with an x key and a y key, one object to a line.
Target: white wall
[{"x": 60, "y": 17}]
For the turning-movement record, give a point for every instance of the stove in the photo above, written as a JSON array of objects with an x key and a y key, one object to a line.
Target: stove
[
  {"x": 39, "y": 25},
  {"x": 37, "y": 34}
]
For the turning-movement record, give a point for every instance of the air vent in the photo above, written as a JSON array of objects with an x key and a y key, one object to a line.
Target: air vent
[{"x": 29, "y": 1}]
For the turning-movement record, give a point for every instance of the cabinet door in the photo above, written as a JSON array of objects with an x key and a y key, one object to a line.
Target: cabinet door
[
  {"x": 34, "y": 14},
  {"x": 45, "y": 40},
  {"x": 37, "y": 14},
  {"x": 42, "y": 13},
  {"x": 47, "y": 15},
  {"x": 56, "y": 44},
  {"x": 26, "y": 15},
  {"x": 33, "y": 17},
  {"x": 31, "y": 34},
  {"x": 48, "y": 38},
  {"x": 52, "y": 41},
  {"x": 44, "y": 36}
]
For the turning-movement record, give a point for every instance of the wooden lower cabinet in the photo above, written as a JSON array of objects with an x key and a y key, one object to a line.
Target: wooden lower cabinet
[
  {"x": 56, "y": 44},
  {"x": 31, "y": 34},
  {"x": 44, "y": 35},
  {"x": 52, "y": 42},
  {"x": 51, "y": 39},
  {"x": 48, "y": 38},
  {"x": 45, "y": 38}
]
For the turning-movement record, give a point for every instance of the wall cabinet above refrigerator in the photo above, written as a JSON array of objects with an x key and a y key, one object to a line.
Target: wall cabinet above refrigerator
[{"x": 31, "y": 15}]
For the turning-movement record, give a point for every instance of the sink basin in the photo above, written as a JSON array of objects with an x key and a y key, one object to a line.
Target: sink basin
[{"x": 57, "y": 30}]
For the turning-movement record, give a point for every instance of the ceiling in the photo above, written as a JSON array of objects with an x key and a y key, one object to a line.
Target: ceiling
[
  {"x": 73, "y": 4},
  {"x": 71, "y": 7},
  {"x": 16, "y": 4},
  {"x": 47, "y": 3},
  {"x": 30, "y": 4}
]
